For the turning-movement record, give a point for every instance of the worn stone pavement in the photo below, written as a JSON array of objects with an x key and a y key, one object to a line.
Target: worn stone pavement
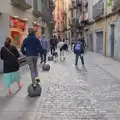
[{"x": 91, "y": 93}]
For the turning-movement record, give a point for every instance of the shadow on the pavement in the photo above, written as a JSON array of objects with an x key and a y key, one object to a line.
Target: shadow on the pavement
[
  {"x": 4, "y": 100},
  {"x": 82, "y": 69},
  {"x": 64, "y": 62},
  {"x": 42, "y": 71}
]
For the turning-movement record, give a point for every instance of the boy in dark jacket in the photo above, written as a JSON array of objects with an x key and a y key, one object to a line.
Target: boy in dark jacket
[
  {"x": 31, "y": 47},
  {"x": 79, "y": 51}
]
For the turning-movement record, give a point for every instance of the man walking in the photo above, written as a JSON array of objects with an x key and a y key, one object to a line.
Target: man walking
[
  {"x": 53, "y": 44},
  {"x": 79, "y": 51},
  {"x": 31, "y": 48},
  {"x": 45, "y": 46}
]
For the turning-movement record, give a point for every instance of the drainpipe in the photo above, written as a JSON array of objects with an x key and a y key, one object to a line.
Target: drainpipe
[{"x": 105, "y": 29}]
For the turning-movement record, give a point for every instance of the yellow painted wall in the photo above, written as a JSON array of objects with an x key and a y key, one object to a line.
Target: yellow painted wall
[
  {"x": 110, "y": 20},
  {"x": 100, "y": 26},
  {"x": 103, "y": 25}
]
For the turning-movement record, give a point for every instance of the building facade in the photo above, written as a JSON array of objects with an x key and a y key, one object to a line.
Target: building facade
[
  {"x": 17, "y": 15},
  {"x": 59, "y": 18},
  {"x": 104, "y": 27},
  {"x": 78, "y": 19}
]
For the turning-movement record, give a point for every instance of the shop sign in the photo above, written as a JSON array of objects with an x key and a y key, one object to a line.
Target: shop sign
[{"x": 15, "y": 23}]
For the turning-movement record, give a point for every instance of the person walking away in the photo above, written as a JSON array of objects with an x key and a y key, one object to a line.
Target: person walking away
[
  {"x": 52, "y": 45},
  {"x": 67, "y": 42},
  {"x": 62, "y": 47},
  {"x": 59, "y": 39},
  {"x": 79, "y": 51},
  {"x": 31, "y": 47},
  {"x": 10, "y": 55},
  {"x": 45, "y": 47},
  {"x": 55, "y": 43}
]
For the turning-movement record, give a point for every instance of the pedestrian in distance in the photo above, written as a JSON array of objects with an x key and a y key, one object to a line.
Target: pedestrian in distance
[
  {"x": 53, "y": 44},
  {"x": 10, "y": 55},
  {"x": 79, "y": 52},
  {"x": 31, "y": 47},
  {"x": 45, "y": 46}
]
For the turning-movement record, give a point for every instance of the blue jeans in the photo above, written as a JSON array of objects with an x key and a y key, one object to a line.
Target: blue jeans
[{"x": 77, "y": 57}]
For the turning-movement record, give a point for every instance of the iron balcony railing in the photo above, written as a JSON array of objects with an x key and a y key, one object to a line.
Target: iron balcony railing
[
  {"x": 116, "y": 5},
  {"x": 79, "y": 3},
  {"x": 98, "y": 10},
  {"x": 22, "y": 4},
  {"x": 75, "y": 23},
  {"x": 40, "y": 10},
  {"x": 73, "y": 5}
]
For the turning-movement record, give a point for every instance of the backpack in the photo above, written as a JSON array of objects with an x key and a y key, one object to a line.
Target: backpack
[{"x": 78, "y": 48}]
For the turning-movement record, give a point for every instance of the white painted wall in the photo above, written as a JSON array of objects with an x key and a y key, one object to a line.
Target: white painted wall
[{"x": 4, "y": 32}]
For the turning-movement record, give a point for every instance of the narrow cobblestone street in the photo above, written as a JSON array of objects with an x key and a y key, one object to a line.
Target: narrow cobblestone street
[{"x": 90, "y": 93}]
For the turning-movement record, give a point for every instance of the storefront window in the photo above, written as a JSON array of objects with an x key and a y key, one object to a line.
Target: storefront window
[{"x": 17, "y": 29}]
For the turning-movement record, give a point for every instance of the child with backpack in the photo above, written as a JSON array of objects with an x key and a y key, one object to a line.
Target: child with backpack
[{"x": 79, "y": 51}]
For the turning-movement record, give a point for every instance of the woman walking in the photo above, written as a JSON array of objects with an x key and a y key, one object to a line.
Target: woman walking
[{"x": 10, "y": 55}]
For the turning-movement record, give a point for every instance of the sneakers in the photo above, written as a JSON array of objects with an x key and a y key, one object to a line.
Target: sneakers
[
  {"x": 37, "y": 80},
  {"x": 55, "y": 60},
  {"x": 83, "y": 66},
  {"x": 76, "y": 66},
  {"x": 34, "y": 85}
]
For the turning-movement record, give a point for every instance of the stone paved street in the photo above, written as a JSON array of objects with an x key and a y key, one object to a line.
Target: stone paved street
[{"x": 91, "y": 93}]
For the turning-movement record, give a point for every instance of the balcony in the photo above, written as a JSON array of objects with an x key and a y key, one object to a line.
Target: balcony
[
  {"x": 46, "y": 13},
  {"x": 52, "y": 5},
  {"x": 98, "y": 10},
  {"x": 79, "y": 3},
  {"x": 116, "y": 5},
  {"x": 76, "y": 23},
  {"x": 86, "y": 3},
  {"x": 70, "y": 22},
  {"x": 73, "y": 5},
  {"x": 37, "y": 9},
  {"x": 70, "y": 7},
  {"x": 85, "y": 19},
  {"x": 22, "y": 4}
]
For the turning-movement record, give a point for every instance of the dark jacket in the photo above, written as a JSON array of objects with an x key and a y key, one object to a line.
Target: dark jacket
[
  {"x": 10, "y": 63},
  {"x": 31, "y": 46},
  {"x": 53, "y": 43}
]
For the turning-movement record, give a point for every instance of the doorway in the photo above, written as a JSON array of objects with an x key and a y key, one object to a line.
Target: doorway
[
  {"x": 99, "y": 42},
  {"x": 112, "y": 34}
]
